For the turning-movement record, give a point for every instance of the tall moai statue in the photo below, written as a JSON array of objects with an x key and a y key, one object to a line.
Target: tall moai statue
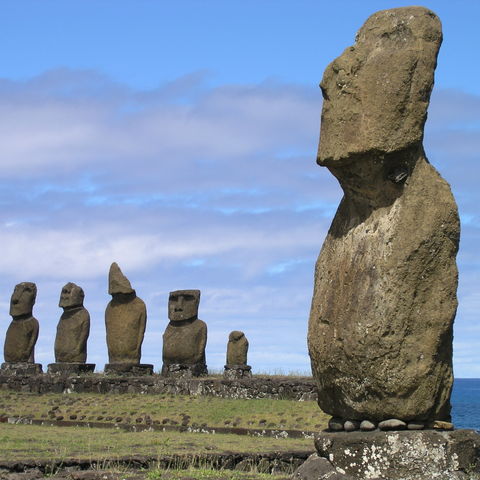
[
  {"x": 237, "y": 349},
  {"x": 384, "y": 301},
  {"x": 73, "y": 330},
  {"x": 185, "y": 337},
  {"x": 22, "y": 334},
  {"x": 125, "y": 322}
]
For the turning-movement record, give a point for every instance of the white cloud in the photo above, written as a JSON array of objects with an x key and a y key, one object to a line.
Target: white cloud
[{"x": 190, "y": 186}]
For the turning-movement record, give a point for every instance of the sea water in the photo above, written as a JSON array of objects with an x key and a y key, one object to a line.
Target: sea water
[{"x": 466, "y": 403}]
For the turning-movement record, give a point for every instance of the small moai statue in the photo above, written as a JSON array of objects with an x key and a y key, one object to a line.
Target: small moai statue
[
  {"x": 125, "y": 322},
  {"x": 73, "y": 330},
  {"x": 185, "y": 337},
  {"x": 237, "y": 349},
  {"x": 22, "y": 333}
]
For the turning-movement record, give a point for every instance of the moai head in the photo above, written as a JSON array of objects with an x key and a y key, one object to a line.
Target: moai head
[
  {"x": 23, "y": 299},
  {"x": 118, "y": 283},
  {"x": 377, "y": 92},
  {"x": 183, "y": 305},
  {"x": 235, "y": 336},
  {"x": 72, "y": 296}
]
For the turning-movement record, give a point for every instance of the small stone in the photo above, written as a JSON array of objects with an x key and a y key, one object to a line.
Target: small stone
[
  {"x": 367, "y": 426},
  {"x": 415, "y": 426},
  {"x": 335, "y": 424},
  {"x": 440, "y": 425},
  {"x": 351, "y": 425},
  {"x": 392, "y": 424}
]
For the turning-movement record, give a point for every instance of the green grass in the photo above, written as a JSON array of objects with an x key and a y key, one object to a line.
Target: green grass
[
  {"x": 29, "y": 442},
  {"x": 166, "y": 410},
  {"x": 208, "y": 474}
]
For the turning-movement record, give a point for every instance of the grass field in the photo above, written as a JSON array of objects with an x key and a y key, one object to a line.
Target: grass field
[
  {"x": 28, "y": 442},
  {"x": 179, "y": 410},
  {"x": 104, "y": 446}
]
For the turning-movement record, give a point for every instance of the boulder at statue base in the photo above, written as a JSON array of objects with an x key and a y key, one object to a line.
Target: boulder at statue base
[{"x": 406, "y": 455}]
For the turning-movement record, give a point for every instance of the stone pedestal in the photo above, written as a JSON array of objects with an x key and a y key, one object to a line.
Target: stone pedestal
[
  {"x": 128, "y": 369},
  {"x": 399, "y": 455},
  {"x": 182, "y": 370},
  {"x": 73, "y": 368},
  {"x": 234, "y": 372},
  {"x": 21, "y": 368}
]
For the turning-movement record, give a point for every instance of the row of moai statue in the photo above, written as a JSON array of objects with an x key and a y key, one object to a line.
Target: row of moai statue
[{"x": 184, "y": 340}]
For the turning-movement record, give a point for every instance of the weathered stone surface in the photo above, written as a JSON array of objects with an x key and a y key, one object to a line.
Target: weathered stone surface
[
  {"x": 233, "y": 372},
  {"x": 70, "y": 368},
  {"x": 380, "y": 329},
  {"x": 185, "y": 337},
  {"x": 256, "y": 387},
  {"x": 406, "y": 455},
  {"x": 318, "y": 468},
  {"x": 22, "y": 332},
  {"x": 129, "y": 369},
  {"x": 125, "y": 320},
  {"x": 237, "y": 348},
  {"x": 73, "y": 328},
  {"x": 21, "y": 368}
]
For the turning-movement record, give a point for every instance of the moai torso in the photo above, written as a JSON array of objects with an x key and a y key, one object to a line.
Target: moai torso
[
  {"x": 22, "y": 334},
  {"x": 237, "y": 348},
  {"x": 73, "y": 328},
  {"x": 185, "y": 337},
  {"x": 125, "y": 320}
]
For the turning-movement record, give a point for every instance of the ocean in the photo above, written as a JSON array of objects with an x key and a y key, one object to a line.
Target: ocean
[{"x": 466, "y": 403}]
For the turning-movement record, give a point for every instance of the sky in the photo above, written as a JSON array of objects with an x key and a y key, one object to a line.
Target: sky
[{"x": 178, "y": 139}]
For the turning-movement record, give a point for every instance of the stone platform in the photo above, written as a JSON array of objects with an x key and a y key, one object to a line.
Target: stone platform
[
  {"x": 70, "y": 368},
  {"x": 133, "y": 369},
  {"x": 399, "y": 455},
  {"x": 21, "y": 368},
  {"x": 234, "y": 372},
  {"x": 183, "y": 370}
]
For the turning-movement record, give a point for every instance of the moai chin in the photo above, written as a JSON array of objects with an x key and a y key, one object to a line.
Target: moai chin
[
  {"x": 185, "y": 337},
  {"x": 237, "y": 349},
  {"x": 22, "y": 334},
  {"x": 384, "y": 301},
  {"x": 73, "y": 330},
  {"x": 125, "y": 321}
]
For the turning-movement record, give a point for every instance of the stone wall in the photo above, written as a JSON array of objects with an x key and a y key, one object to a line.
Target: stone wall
[{"x": 256, "y": 387}]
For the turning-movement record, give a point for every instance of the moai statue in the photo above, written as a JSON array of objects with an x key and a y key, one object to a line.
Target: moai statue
[
  {"x": 125, "y": 321},
  {"x": 22, "y": 333},
  {"x": 384, "y": 300},
  {"x": 73, "y": 330},
  {"x": 237, "y": 349},
  {"x": 185, "y": 337}
]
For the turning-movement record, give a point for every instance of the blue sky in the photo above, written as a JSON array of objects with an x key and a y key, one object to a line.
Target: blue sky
[{"x": 179, "y": 139}]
